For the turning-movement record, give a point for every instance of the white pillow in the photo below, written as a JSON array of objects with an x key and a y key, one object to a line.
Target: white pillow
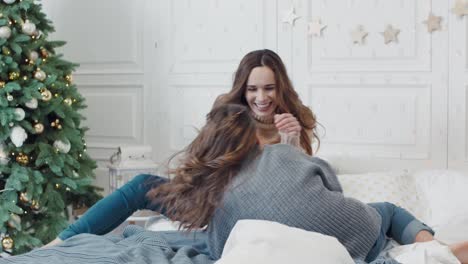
[
  {"x": 445, "y": 193},
  {"x": 392, "y": 186},
  {"x": 258, "y": 241}
]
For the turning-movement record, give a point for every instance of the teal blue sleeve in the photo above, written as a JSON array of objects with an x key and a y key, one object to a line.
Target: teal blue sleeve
[{"x": 111, "y": 211}]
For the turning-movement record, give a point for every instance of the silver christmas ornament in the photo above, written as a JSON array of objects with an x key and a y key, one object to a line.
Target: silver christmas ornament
[
  {"x": 28, "y": 28},
  {"x": 5, "y": 32}
]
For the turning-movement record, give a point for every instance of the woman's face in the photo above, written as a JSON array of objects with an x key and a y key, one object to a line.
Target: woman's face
[{"x": 260, "y": 92}]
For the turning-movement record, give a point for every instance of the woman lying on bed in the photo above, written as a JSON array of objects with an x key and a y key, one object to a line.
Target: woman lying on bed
[
  {"x": 262, "y": 84},
  {"x": 225, "y": 177}
]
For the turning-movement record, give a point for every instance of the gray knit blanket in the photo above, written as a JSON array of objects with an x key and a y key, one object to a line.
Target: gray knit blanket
[{"x": 136, "y": 245}]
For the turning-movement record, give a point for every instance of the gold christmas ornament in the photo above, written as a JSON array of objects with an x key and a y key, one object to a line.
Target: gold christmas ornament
[
  {"x": 2, "y": 84},
  {"x": 6, "y": 51},
  {"x": 14, "y": 220},
  {"x": 39, "y": 128},
  {"x": 13, "y": 75},
  {"x": 40, "y": 75},
  {"x": 46, "y": 95},
  {"x": 68, "y": 101},
  {"x": 22, "y": 159},
  {"x": 69, "y": 78},
  {"x": 44, "y": 53},
  {"x": 35, "y": 205},
  {"x": 24, "y": 197},
  {"x": 7, "y": 243}
]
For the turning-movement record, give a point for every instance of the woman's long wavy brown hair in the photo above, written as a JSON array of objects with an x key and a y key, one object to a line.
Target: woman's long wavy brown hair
[
  {"x": 287, "y": 98},
  {"x": 207, "y": 166}
]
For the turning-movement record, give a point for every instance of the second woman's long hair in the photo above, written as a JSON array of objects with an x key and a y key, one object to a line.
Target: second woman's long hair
[{"x": 207, "y": 167}]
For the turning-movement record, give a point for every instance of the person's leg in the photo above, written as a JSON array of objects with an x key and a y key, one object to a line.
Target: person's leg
[
  {"x": 406, "y": 229},
  {"x": 112, "y": 210},
  {"x": 403, "y": 227}
]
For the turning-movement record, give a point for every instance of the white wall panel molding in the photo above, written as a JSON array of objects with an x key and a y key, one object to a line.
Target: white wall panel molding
[
  {"x": 458, "y": 93},
  {"x": 211, "y": 36},
  {"x": 114, "y": 114},
  {"x": 335, "y": 51},
  {"x": 113, "y": 39},
  {"x": 188, "y": 112},
  {"x": 384, "y": 116}
]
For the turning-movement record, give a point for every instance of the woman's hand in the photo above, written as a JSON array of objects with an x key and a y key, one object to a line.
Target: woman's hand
[
  {"x": 289, "y": 129},
  {"x": 287, "y": 124},
  {"x": 54, "y": 242}
]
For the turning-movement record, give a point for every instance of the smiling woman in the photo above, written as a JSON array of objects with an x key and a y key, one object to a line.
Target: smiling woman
[
  {"x": 261, "y": 93},
  {"x": 261, "y": 82}
]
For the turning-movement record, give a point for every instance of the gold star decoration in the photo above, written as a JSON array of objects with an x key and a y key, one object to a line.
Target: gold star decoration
[
  {"x": 316, "y": 27},
  {"x": 290, "y": 17},
  {"x": 433, "y": 23},
  {"x": 358, "y": 35},
  {"x": 390, "y": 34},
  {"x": 460, "y": 9}
]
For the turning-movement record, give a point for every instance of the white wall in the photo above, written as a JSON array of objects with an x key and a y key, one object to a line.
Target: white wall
[{"x": 150, "y": 70}]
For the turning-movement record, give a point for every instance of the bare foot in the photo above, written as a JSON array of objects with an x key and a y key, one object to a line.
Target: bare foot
[{"x": 460, "y": 250}]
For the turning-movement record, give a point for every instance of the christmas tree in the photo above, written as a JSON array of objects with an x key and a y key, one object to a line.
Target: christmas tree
[{"x": 44, "y": 166}]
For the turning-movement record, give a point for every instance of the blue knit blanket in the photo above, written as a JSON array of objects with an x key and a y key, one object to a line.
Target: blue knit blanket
[{"x": 136, "y": 245}]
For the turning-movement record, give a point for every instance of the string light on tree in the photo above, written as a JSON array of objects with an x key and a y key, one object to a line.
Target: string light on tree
[
  {"x": 14, "y": 75},
  {"x": 56, "y": 124}
]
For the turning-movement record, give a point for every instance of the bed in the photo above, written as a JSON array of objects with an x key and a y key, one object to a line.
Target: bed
[{"x": 438, "y": 198}]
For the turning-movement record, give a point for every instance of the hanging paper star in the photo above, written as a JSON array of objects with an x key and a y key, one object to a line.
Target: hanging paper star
[
  {"x": 290, "y": 17},
  {"x": 433, "y": 23},
  {"x": 316, "y": 27},
  {"x": 460, "y": 8},
  {"x": 390, "y": 34},
  {"x": 358, "y": 35}
]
